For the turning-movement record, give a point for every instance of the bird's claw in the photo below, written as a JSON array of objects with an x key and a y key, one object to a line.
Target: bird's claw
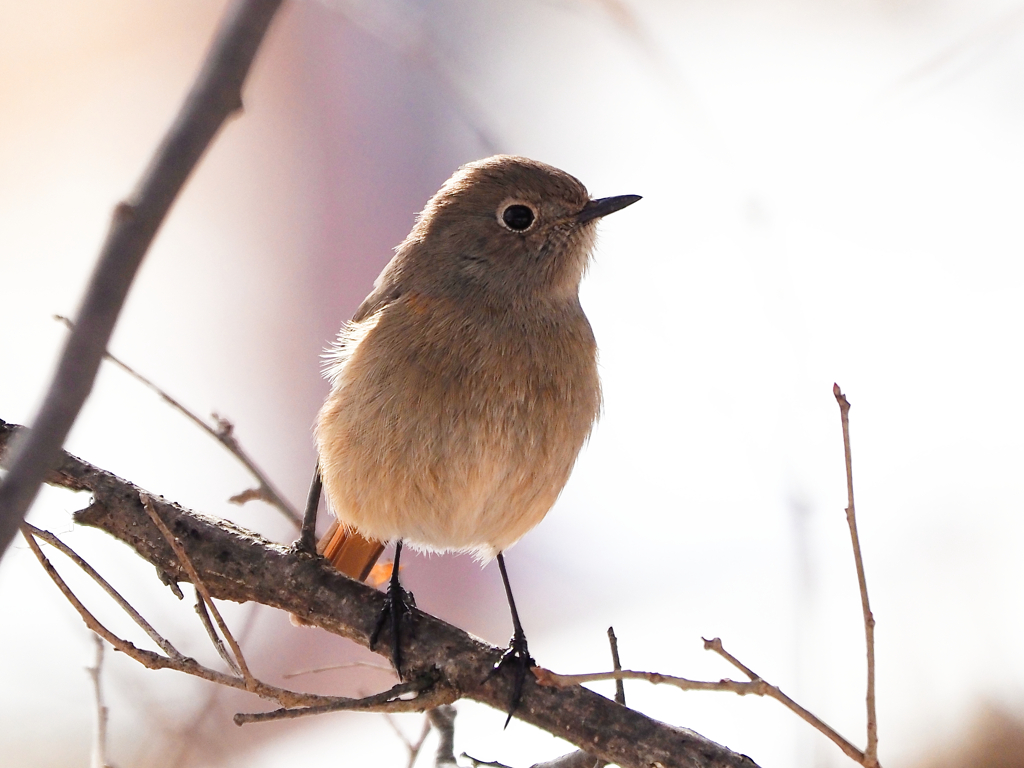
[
  {"x": 517, "y": 656},
  {"x": 397, "y": 604}
]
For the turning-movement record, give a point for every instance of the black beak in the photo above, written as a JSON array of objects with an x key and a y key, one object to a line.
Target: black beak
[{"x": 595, "y": 209}]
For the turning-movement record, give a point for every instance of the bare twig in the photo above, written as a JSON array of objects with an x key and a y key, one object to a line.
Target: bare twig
[
  {"x": 715, "y": 644},
  {"x": 580, "y": 758},
  {"x": 162, "y": 643},
  {"x": 620, "y": 690},
  {"x": 201, "y": 589},
  {"x": 211, "y": 631},
  {"x": 265, "y": 491},
  {"x": 443, "y": 720},
  {"x": 224, "y": 434},
  {"x": 434, "y": 693},
  {"x": 429, "y": 695},
  {"x": 871, "y": 753},
  {"x": 772, "y": 691},
  {"x": 99, "y": 747},
  {"x": 215, "y": 95},
  {"x": 146, "y": 658},
  {"x": 201, "y": 727},
  {"x": 547, "y": 677},
  {"x": 756, "y": 687}
]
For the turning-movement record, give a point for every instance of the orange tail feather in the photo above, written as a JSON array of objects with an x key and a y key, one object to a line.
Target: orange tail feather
[{"x": 350, "y": 553}]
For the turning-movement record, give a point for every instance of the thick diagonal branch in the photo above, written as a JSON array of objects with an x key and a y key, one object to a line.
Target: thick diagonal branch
[{"x": 238, "y": 565}]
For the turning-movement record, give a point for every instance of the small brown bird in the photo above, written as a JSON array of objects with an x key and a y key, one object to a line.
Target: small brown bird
[{"x": 466, "y": 383}]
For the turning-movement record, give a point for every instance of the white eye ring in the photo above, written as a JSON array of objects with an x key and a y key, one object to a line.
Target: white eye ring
[{"x": 517, "y": 217}]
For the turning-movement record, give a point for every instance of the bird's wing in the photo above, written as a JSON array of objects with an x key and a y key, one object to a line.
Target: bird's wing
[{"x": 387, "y": 291}]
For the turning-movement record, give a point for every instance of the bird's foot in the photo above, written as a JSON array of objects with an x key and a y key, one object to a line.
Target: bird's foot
[
  {"x": 517, "y": 657},
  {"x": 397, "y": 604}
]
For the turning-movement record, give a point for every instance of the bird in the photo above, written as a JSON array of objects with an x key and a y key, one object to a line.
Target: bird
[{"x": 465, "y": 385}]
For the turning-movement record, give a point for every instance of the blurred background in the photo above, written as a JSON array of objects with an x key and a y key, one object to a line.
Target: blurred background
[{"x": 832, "y": 192}]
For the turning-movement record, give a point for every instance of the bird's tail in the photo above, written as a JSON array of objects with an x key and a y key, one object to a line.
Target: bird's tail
[{"x": 350, "y": 553}]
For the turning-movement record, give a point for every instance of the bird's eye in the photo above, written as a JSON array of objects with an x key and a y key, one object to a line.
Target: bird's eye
[{"x": 518, "y": 217}]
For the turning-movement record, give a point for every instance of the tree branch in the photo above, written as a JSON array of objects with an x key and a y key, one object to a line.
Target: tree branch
[
  {"x": 236, "y": 661},
  {"x": 215, "y": 95},
  {"x": 756, "y": 686},
  {"x": 235, "y": 564},
  {"x": 224, "y": 434},
  {"x": 296, "y": 704},
  {"x": 871, "y": 752}
]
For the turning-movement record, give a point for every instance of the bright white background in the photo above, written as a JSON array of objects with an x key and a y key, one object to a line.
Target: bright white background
[{"x": 832, "y": 192}]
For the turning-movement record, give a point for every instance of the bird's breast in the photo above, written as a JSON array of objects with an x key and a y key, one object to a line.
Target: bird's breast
[{"x": 457, "y": 427}]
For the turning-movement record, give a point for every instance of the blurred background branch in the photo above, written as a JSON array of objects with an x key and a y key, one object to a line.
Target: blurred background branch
[
  {"x": 224, "y": 433},
  {"x": 215, "y": 96}
]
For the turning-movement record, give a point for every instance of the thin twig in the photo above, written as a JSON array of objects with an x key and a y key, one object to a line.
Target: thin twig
[
  {"x": 148, "y": 659},
  {"x": 435, "y": 693},
  {"x": 99, "y": 747},
  {"x": 211, "y": 631},
  {"x": 191, "y": 736},
  {"x": 871, "y": 753},
  {"x": 429, "y": 695},
  {"x": 620, "y": 690},
  {"x": 773, "y": 691},
  {"x": 215, "y": 95},
  {"x": 59, "y": 545},
  {"x": 755, "y": 687},
  {"x": 715, "y": 644},
  {"x": 580, "y": 758},
  {"x": 223, "y": 434},
  {"x": 547, "y": 677},
  {"x": 186, "y": 563}
]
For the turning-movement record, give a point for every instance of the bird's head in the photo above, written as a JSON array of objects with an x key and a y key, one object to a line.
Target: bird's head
[{"x": 508, "y": 227}]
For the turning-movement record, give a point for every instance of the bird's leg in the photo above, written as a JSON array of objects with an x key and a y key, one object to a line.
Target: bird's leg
[
  {"x": 396, "y": 605},
  {"x": 517, "y": 655},
  {"x": 307, "y": 538}
]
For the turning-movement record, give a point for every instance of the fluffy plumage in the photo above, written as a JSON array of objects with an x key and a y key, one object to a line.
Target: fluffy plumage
[{"x": 466, "y": 384}]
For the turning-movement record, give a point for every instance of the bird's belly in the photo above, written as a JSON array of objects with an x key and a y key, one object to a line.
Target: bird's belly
[{"x": 458, "y": 491}]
